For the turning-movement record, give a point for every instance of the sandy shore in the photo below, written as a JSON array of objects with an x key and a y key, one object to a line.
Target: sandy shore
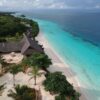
[
  {"x": 59, "y": 64},
  {"x": 23, "y": 79}
]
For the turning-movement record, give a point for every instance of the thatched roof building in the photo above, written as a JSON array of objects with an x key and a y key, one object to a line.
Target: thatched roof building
[{"x": 26, "y": 46}]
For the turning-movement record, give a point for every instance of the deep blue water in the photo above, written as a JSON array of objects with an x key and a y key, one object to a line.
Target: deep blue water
[
  {"x": 82, "y": 24},
  {"x": 76, "y": 37}
]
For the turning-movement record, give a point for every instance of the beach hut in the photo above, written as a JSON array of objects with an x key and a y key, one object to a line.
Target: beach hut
[{"x": 26, "y": 46}]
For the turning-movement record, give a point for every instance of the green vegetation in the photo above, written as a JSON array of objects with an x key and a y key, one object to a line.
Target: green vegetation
[
  {"x": 34, "y": 26},
  {"x": 23, "y": 93},
  {"x": 23, "y": 16},
  {"x": 40, "y": 60},
  {"x": 60, "y": 97},
  {"x": 12, "y": 28},
  {"x": 25, "y": 64},
  {"x": 35, "y": 73},
  {"x": 15, "y": 69},
  {"x": 4, "y": 66},
  {"x": 56, "y": 83},
  {"x": 36, "y": 61},
  {"x": 2, "y": 63},
  {"x": 10, "y": 25}
]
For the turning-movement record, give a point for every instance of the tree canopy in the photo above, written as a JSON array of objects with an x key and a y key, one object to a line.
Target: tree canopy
[
  {"x": 60, "y": 97},
  {"x": 39, "y": 59},
  {"x": 11, "y": 25},
  {"x": 56, "y": 83},
  {"x": 23, "y": 93},
  {"x": 15, "y": 69}
]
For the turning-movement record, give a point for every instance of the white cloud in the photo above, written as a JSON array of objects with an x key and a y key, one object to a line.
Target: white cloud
[
  {"x": 97, "y": 6},
  {"x": 1, "y": 3},
  {"x": 29, "y": 4},
  {"x": 59, "y": 4}
]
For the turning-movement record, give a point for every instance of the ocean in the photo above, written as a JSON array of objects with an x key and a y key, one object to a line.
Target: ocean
[{"x": 76, "y": 37}]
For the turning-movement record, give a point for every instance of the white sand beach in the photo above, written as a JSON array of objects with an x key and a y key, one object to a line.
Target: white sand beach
[
  {"x": 59, "y": 64},
  {"x": 23, "y": 79}
]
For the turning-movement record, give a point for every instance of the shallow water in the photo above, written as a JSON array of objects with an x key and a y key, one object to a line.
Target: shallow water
[{"x": 82, "y": 57}]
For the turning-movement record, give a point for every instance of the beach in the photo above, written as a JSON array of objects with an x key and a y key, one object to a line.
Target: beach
[{"x": 59, "y": 65}]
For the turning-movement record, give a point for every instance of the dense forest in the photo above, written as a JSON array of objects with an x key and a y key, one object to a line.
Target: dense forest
[{"x": 11, "y": 26}]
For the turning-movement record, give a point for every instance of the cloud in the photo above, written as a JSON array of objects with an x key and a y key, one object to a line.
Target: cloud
[
  {"x": 97, "y": 6},
  {"x": 51, "y": 4},
  {"x": 1, "y": 3},
  {"x": 31, "y": 4}
]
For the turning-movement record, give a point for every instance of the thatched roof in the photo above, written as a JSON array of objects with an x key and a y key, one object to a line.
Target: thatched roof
[
  {"x": 21, "y": 46},
  {"x": 30, "y": 43},
  {"x": 10, "y": 47}
]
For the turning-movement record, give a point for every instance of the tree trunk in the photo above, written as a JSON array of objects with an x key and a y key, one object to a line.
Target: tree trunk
[
  {"x": 14, "y": 80},
  {"x": 34, "y": 79},
  {"x": 36, "y": 94}
]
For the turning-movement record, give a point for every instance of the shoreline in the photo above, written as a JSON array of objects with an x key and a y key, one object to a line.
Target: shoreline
[{"x": 58, "y": 64}]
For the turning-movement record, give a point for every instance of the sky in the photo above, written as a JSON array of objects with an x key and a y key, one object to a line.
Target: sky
[{"x": 49, "y": 4}]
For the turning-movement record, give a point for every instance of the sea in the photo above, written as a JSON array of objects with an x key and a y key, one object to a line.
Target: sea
[{"x": 75, "y": 36}]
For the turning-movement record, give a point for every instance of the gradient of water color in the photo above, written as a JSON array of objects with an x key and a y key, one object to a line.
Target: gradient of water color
[{"x": 82, "y": 57}]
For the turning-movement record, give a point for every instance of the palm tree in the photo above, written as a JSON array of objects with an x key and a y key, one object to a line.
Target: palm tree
[
  {"x": 41, "y": 60},
  {"x": 14, "y": 70},
  {"x": 23, "y": 93},
  {"x": 35, "y": 73},
  {"x": 25, "y": 64}
]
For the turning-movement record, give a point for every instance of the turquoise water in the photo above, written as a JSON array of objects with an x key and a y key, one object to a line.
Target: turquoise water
[{"x": 82, "y": 57}]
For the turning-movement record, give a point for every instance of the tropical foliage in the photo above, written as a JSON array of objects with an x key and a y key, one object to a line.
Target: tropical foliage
[
  {"x": 56, "y": 83},
  {"x": 35, "y": 73},
  {"x": 12, "y": 28},
  {"x": 40, "y": 59},
  {"x": 23, "y": 93},
  {"x": 25, "y": 64},
  {"x": 10, "y": 25},
  {"x": 36, "y": 61},
  {"x": 14, "y": 70},
  {"x": 3, "y": 66},
  {"x": 60, "y": 97}
]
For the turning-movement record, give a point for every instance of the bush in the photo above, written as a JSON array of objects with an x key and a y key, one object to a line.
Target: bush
[
  {"x": 60, "y": 97},
  {"x": 34, "y": 26},
  {"x": 40, "y": 59},
  {"x": 23, "y": 93},
  {"x": 56, "y": 83},
  {"x": 10, "y": 25}
]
